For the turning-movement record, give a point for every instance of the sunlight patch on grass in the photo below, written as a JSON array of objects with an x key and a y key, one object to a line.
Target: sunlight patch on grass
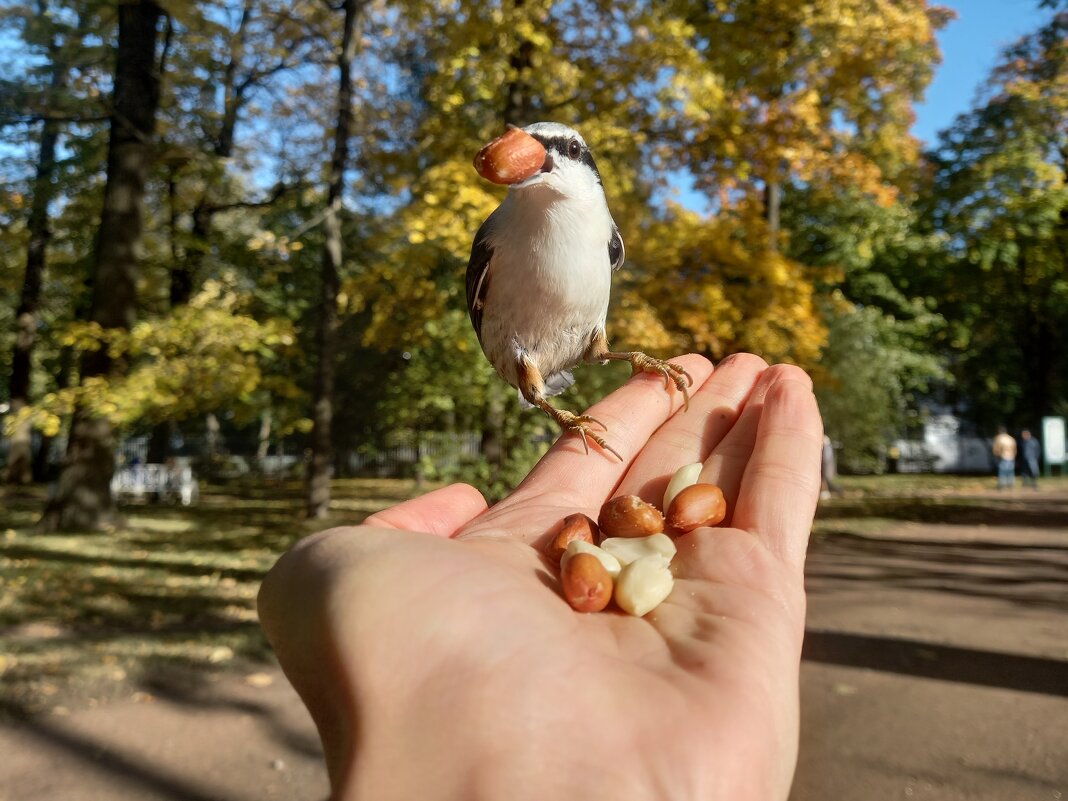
[
  {"x": 88, "y": 616},
  {"x": 160, "y": 525}
]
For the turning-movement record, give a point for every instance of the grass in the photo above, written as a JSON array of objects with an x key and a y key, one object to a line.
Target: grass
[
  {"x": 86, "y": 617},
  {"x": 868, "y": 504}
]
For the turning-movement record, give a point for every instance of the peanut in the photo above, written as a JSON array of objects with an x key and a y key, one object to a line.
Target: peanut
[
  {"x": 627, "y": 549},
  {"x": 510, "y": 158},
  {"x": 695, "y": 506},
  {"x": 573, "y": 527},
  {"x": 610, "y": 562},
  {"x": 643, "y": 585},
  {"x": 586, "y": 584},
  {"x": 629, "y": 516},
  {"x": 684, "y": 477}
]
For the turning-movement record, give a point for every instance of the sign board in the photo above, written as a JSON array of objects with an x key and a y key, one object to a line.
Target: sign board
[{"x": 1053, "y": 440}]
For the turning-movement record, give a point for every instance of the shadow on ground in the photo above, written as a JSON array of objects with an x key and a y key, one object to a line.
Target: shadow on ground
[
  {"x": 1018, "y": 508},
  {"x": 85, "y": 615},
  {"x": 1006, "y": 548},
  {"x": 1031, "y": 574},
  {"x": 137, "y": 768},
  {"x": 933, "y": 661}
]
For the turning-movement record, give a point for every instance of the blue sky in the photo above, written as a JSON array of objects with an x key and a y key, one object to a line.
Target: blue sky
[{"x": 970, "y": 47}]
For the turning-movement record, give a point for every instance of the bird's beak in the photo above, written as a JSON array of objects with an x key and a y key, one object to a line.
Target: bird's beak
[{"x": 539, "y": 176}]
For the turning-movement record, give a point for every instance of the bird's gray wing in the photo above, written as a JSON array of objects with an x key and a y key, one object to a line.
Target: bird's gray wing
[
  {"x": 478, "y": 277},
  {"x": 616, "y": 252}
]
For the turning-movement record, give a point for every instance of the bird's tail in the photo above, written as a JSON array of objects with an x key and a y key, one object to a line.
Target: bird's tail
[{"x": 554, "y": 385}]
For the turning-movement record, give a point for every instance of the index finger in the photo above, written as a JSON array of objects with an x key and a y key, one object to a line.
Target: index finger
[
  {"x": 568, "y": 478},
  {"x": 631, "y": 414}
]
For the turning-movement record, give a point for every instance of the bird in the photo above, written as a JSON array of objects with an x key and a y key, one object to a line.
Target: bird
[{"x": 539, "y": 279}]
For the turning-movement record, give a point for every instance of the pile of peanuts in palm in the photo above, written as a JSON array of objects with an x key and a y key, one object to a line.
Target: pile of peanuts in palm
[{"x": 626, "y": 555}]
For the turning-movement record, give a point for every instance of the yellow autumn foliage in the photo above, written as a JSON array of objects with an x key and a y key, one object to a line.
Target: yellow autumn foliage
[
  {"x": 716, "y": 294},
  {"x": 202, "y": 356},
  {"x": 818, "y": 93}
]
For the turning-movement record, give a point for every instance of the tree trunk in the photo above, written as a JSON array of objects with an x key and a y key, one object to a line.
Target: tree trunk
[
  {"x": 516, "y": 109},
  {"x": 263, "y": 449},
  {"x": 322, "y": 456},
  {"x": 20, "y": 454},
  {"x": 83, "y": 499},
  {"x": 772, "y": 210},
  {"x": 517, "y": 93},
  {"x": 212, "y": 436}
]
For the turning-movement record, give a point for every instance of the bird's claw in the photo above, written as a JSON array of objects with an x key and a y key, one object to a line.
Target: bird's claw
[
  {"x": 585, "y": 418},
  {"x": 580, "y": 424},
  {"x": 670, "y": 372}
]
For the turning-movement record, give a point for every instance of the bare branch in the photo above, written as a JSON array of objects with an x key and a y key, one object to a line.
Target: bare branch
[{"x": 279, "y": 190}]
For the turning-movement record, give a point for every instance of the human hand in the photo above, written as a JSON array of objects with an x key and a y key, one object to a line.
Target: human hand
[{"x": 439, "y": 660}]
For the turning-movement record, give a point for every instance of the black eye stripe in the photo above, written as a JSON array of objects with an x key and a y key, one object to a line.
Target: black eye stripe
[
  {"x": 556, "y": 143},
  {"x": 559, "y": 144},
  {"x": 587, "y": 159}
]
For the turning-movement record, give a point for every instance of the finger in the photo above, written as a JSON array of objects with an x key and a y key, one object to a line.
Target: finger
[
  {"x": 440, "y": 512},
  {"x": 688, "y": 438},
  {"x": 726, "y": 464},
  {"x": 566, "y": 477},
  {"x": 780, "y": 488}
]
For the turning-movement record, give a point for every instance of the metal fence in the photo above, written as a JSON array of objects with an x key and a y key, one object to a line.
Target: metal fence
[
  {"x": 406, "y": 450},
  {"x": 401, "y": 455}
]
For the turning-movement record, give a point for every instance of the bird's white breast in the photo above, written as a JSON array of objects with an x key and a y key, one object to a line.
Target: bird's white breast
[{"x": 550, "y": 281}]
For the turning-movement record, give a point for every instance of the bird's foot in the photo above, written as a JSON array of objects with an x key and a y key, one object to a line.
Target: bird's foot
[
  {"x": 580, "y": 424},
  {"x": 671, "y": 373}
]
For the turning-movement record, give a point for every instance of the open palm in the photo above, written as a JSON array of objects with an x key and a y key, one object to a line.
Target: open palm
[{"x": 439, "y": 660}]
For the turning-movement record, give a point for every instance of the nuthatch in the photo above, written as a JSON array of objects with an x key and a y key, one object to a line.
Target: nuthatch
[{"x": 540, "y": 276}]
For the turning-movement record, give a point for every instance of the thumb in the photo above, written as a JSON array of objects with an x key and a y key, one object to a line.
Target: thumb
[{"x": 441, "y": 512}]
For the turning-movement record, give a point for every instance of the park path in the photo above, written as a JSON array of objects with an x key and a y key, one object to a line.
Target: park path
[
  {"x": 936, "y": 667},
  {"x": 229, "y": 739},
  {"x": 936, "y": 659}
]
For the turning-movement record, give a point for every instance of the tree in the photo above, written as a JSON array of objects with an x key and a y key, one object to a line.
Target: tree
[
  {"x": 83, "y": 499},
  {"x": 882, "y": 354},
  {"x": 815, "y": 92},
  {"x": 827, "y": 110},
  {"x": 19, "y": 462},
  {"x": 45, "y": 100},
  {"x": 322, "y": 453},
  {"x": 238, "y": 274},
  {"x": 225, "y": 58},
  {"x": 999, "y": 195}
]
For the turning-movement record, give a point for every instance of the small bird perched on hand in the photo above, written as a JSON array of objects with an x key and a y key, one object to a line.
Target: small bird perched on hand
[{"x": 540, "y": 273}]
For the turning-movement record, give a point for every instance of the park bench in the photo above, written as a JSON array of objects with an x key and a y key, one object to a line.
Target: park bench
[{"x": 164, "y": 482}]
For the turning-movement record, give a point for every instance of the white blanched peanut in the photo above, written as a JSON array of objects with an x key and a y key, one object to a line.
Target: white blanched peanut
[
  {"x": 629, "y": 549},
  {"x": 684, "y": 477},
  {"x": 610, "y": 562},
  {"x": 642, "y": 585}
]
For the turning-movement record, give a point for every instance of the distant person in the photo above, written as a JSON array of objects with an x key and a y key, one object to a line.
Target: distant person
[
  {"x": 1029, "y": 452},
  {"x": 893, "y": 459},
  {"x": 828, "y": 470},
  {"x": 1004, "y": 450}
]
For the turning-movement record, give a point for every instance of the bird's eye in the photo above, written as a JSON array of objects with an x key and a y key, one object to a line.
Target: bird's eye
[{"x": 574, "y": 149}]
